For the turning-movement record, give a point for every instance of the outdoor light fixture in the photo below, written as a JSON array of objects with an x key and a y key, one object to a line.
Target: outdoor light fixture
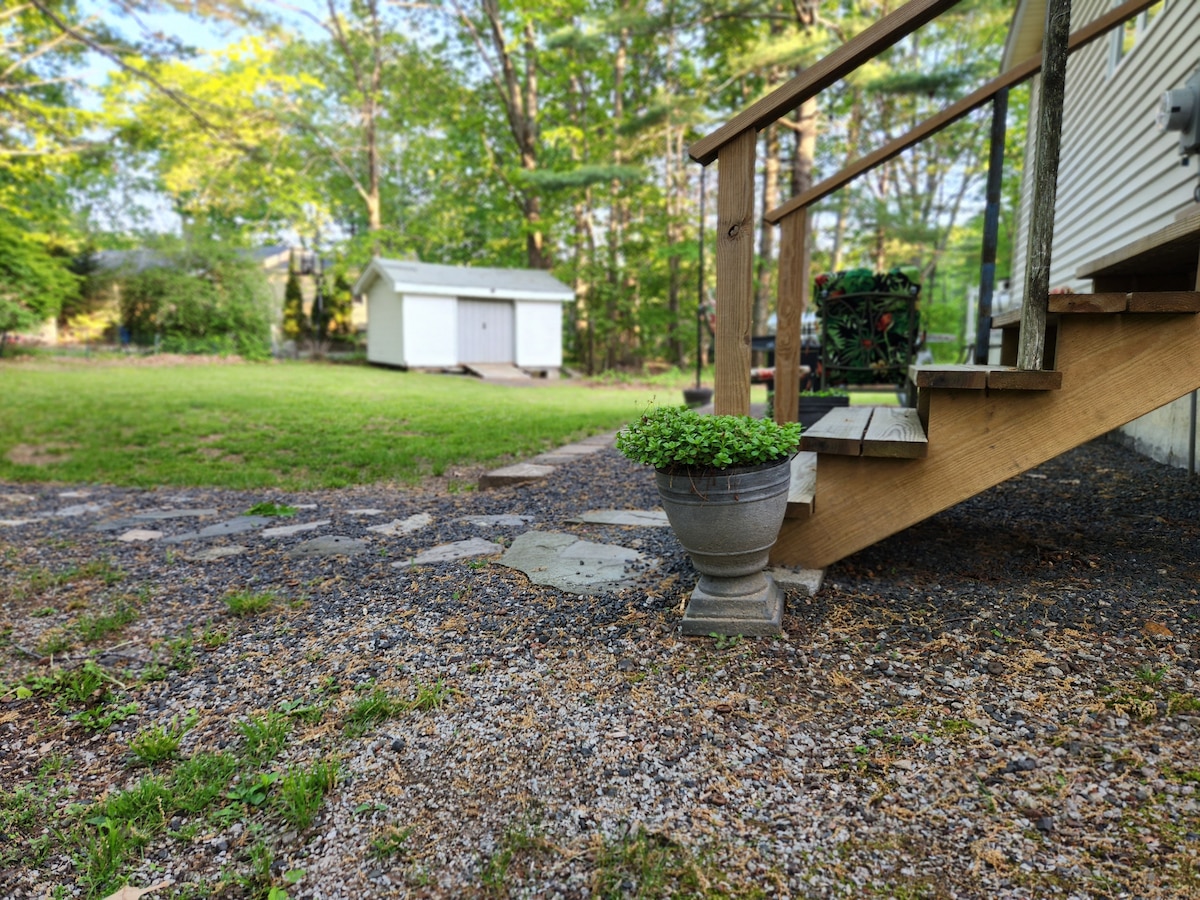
[{"x": 1180, "y": 111}]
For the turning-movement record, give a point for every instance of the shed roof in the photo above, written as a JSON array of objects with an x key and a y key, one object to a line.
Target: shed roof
[{"x": 408, "y": 277}]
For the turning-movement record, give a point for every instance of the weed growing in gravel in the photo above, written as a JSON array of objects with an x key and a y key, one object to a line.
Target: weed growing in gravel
[
  {"x": 53, "y": 641},
  {"x": 92, "y": 628},
  {"x": 271, "y": 509},
  {"x": 253, "y": 789},
  {"x": 104, "y": 717},
  {"x": 376, "y": 706},
  {"x": 212, "y": 638},
  {"x": 200, "y": 779},
  {"x": 181, "y": 653},
  {"x": 391, "y": 843},
  {"x": 248, "y": 603},
  {"x": 310, "y": 713},
  {"x": 1150, "y": 675},
  {"x": 43, "y": 612},
  {"x": 724, "y": 641},
  {"x": 518, "y": 843},
  {"x": 41, "y": 580},
  {"x": 265, "y": 735},
  {"x": 161, "y": 742},
  {"x": 646, "y": 864},
  {"x": 301, "y": 792},
  {"x": 431, "y": 696}
]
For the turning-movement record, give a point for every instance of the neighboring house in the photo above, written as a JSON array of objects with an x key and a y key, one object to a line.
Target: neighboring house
[
  {"x": 431, "y": 316},
  {"x": 1120, "y": 176}
]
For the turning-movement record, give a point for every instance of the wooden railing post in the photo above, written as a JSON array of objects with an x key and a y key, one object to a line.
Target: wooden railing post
[
  {"x": 991, "y": 226},
  {"x": 735, "y": 273},
  {"x": 792, "y": 301},
  {"x": 1031, "y": 348}
]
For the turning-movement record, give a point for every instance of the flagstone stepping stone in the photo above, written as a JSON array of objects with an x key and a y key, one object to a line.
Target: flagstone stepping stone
[
  {"x": 72, "y": 512},
  {"x": 516, "y": 474},
  {"x": 330, "y": 545},
  {"x": 364, "y": 512},
  {"x": 75, "y": 494},
  {"x": 215, "y": 553},
  {"x": 12, "y": 523},
  {"x": 644, "y": 518},
  {"x": 285, "y": 530},
  {"x": 450, "y": 552},
  {"x": 494, "y": 521},
  {"x": 154, "y": 515},
  {"x": 14, "y": 499},
  {"x": 804, "y": 581},
  {"x": 139, "y": 534},
  {"x": 398, "y": 527},
  {"x": 569, "y": 564},
  {"x": 238, "y": 525}
]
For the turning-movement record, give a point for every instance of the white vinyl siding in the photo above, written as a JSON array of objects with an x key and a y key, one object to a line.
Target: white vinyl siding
[{"x": 1119, "y": 176}]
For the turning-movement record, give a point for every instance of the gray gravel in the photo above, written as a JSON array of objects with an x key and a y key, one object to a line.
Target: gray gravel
[{"x": 1001, "y": 702}]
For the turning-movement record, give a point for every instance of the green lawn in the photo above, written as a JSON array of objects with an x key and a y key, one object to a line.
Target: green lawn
[{"x": 291, "y": 425}]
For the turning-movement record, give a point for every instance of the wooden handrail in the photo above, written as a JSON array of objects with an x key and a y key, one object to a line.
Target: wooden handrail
[
  {"x": 832, "y": 68},
  {"x": 951, "y": 114}
]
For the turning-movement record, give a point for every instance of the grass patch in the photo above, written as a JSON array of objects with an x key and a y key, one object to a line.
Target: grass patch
[
  {"x": 301, "y": 792},
  {"x": 271, "y": 509},
  {"x": 375, "y": 706},
  {"x": 286, "y": 425},
  {"x": 249, "y": 603}
]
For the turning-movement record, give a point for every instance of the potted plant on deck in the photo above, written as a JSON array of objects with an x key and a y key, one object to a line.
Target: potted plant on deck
[{"x": 723, "y": 481}]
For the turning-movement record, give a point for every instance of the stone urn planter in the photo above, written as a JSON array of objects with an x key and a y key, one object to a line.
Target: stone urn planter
[{"x": 723, "y": 481}]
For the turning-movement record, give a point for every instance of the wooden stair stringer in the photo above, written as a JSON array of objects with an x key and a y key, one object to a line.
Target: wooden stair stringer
[{"x": 1115, "y": 368}]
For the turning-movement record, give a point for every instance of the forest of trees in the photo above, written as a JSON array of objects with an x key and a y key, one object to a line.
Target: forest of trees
[{"x": 542, "y": 133}]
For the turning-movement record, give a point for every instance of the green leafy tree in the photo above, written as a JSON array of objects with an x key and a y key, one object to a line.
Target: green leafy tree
[
  {"x": 295, "y": 325},
  {"x": 204, "y": 298},
  {"x": 34, "y": 283}
]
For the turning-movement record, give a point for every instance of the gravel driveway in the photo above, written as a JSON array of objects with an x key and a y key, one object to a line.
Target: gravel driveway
[{"x": 1001, "y": 702}]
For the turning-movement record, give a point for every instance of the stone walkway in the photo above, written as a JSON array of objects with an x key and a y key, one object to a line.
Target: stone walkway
[{"x": 547, "y": 557}]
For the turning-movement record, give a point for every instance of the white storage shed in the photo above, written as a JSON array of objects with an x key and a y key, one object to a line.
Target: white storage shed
[{"x": 421, "y": 315}]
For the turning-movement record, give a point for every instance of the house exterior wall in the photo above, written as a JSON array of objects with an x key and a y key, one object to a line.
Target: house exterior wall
[
  {"x": 539, "y": 335},
  {"x": 430, "y": 331},
  {"x": 1120, "y": 178}
]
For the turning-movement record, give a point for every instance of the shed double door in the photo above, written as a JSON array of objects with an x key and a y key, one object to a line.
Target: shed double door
[{"x": 486, "y": 332}]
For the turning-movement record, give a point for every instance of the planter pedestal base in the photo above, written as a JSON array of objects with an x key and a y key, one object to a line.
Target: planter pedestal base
[{"x": 750, "y": 605}]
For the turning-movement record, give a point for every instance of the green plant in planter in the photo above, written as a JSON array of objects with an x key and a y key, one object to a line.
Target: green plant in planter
[
  {"x": 828, "y": 392},
  {"x": 672, "y": 438}
]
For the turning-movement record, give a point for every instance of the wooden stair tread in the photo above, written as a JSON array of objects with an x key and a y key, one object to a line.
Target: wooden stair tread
[
  {"x": 1108, "y": 302},
  {"x": 978, "y": 378},
  {"x": 882, "y": 431},
  {"x": 803, "y": 487}
]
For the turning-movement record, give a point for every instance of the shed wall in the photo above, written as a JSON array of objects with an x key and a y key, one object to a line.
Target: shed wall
[
  {"x": 385, "y": 335},
  {"x": 430, "y": 331},
  {"x": 539, "y": 335}
]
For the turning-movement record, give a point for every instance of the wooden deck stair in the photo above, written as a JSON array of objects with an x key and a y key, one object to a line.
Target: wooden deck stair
[{"x": 1116, "y": 357}]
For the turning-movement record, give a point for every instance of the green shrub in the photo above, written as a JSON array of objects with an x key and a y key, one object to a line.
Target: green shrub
[
  {"x": 203, "y": 298},
  {"x": 672, "y": 437}
]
